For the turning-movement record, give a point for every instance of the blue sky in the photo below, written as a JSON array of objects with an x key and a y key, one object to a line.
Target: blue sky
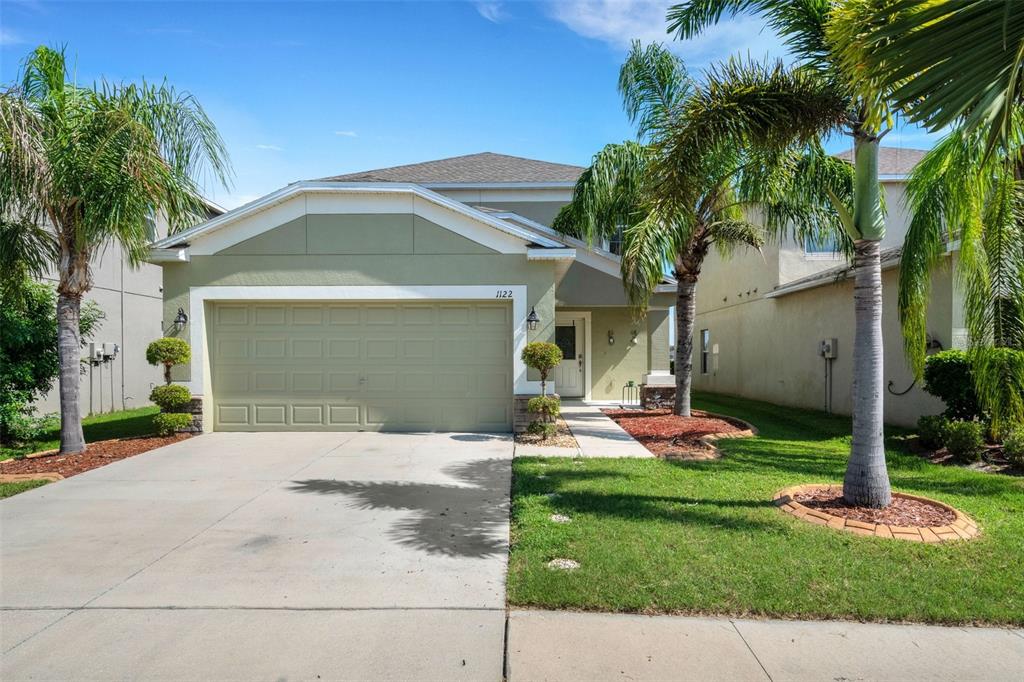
[{"x": 301, "y": 90}]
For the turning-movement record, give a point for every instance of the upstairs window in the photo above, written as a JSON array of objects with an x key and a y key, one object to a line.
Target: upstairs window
[{"x": 826, "y": 249}]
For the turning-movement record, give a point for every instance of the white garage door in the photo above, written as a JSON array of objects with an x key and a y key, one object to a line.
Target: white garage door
[{"x": 444, "y": 366}]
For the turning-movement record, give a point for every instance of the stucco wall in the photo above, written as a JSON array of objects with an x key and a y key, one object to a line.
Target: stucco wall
[
  {"x": 613, "y": 365},
  {"x": 768, "y": 348}
]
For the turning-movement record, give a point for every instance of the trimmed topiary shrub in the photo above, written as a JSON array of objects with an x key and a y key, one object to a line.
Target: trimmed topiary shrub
[
  {"x": 541, "y": 428},
  {"x": 931, "y": 431},
  {"x": 965, "y": 440},
  {"x": 173, "y": 398},
  {"x": 168, "y": 423},
  {"x": 168, "y": 351},
  {"x": 547, "y": 407},
  {"x": 1013, "y": 446},
  {"x": 949, "y": 377},
  {"x": 543, "y": 357}
]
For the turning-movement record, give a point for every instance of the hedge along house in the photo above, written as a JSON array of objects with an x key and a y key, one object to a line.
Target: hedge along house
[{"x": 398, "y": 299}]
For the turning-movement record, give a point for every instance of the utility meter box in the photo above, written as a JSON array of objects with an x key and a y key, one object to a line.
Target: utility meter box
[
  {"x": 95, "y": 353},
  {"x": 829, "y": 348},
  {"x": 110, "y": 350}
]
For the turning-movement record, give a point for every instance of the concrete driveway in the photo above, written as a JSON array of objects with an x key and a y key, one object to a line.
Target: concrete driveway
[{"x": 264, "y": 556}]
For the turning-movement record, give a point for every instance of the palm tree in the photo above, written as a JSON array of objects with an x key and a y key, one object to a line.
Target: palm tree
[
  {"x": 772, "y": 106},
  {"x": 950, "y": 63},
  {"x": 960, "y": 192},
  {"x": 672, "y": 221},
  {"x": 95, "y": 164}
]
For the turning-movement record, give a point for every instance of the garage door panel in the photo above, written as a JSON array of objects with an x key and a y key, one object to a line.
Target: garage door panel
[{"x": 350, "y": 366}]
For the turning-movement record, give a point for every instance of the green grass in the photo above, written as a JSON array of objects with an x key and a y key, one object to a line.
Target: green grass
[
  {"x": 135, "y": 422},
  {"x": 8, "y": 489},
  {"x": 703, "y": 537}
]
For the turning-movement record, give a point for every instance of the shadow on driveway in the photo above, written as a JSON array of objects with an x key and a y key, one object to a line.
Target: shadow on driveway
[{"x": 468, "y": 520}]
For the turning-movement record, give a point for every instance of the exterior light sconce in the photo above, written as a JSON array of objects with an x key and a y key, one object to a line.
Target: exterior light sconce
[
  {"x": 633, "y": 336},
  {"x": 532, "y": 320},
  {"x": 180, "y": 320},
  {"x": 611, "y": 337}
]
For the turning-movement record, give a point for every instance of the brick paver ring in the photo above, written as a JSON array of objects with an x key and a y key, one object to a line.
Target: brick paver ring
[{"x": 962, "y": 527}]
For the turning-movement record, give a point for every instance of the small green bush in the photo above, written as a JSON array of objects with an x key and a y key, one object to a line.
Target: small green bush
[
  {"x": 168, "y": 351},
  {"x": 19, "y": 424},
  {"x": 173, "y": 398},
  {"x": 541, "y": 428},
  {"x": 1013, "y": 446},
  {"x": 949, "y": 377},
  {"x": 547, "y": 407},
  {"x": 543, "y": 357},
  {"x": 965, "y": 440},
  {"x": 931, "y": 431},
  {"x": 167, "y": 423}
]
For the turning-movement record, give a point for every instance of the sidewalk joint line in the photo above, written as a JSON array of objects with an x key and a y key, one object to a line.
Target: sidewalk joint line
[{"x": 750, "y": 649}]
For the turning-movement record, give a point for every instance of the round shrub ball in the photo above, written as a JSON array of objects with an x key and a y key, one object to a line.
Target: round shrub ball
[
  {"x": 173, "y": 398},
  {"x": 543, "y": 357},
  {"x": 1013, "y": 446},
  {"x": 168, "y": 423},
  {"x": 931, "y": 431},
  {"x": 168, "y": 351},
  {"x": 965, "y": 440}
]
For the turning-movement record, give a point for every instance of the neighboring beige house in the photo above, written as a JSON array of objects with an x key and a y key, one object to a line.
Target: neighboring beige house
[
  {"x": 762, "y": 317},
  {"x": 401, "y": 299},
  {"x": 131, "y": 300}
]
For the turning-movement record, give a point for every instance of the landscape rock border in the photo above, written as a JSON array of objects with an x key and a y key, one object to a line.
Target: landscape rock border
[{"x": 962, "y": 527}]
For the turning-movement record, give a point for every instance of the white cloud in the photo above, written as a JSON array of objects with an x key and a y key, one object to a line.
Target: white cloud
[
  {"x": 618, "y": 22},
  {"x": 270, "y": 147},
  {"x": 9, "y": 37},
  {"x": 491, "y": 11},
  {"x": 345, "y": 133}
]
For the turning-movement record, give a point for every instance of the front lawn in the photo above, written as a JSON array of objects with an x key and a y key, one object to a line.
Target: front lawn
[
  {"x": 134, "y": 422},
  {"x": 15, "y": 487},
  {"x": 704, "y": 537}
]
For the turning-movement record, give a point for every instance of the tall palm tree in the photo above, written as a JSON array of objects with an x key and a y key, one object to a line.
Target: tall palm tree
[
  {"x": 673, "y": 220},
  {"x": 960, "y": 192},
  {"x": 95, "y": 164},
  {"x": 772, "y": 106},
  {"x": 949, "y": 62}
]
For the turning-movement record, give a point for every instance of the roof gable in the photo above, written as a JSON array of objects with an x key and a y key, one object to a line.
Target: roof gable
[
  {"x": 301, "y": 199},
  {"x": 482, "y": 168}
]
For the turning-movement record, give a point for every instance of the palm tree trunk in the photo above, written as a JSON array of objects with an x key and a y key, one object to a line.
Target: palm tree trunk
[
  {"x": 867, "y": 480},
  {"x": 686, "y": 310},
  {"x": 69, "y": 344}
]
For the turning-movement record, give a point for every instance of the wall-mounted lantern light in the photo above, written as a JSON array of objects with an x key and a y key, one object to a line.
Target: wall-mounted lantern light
[
  {"x": 180, "y": 320},
  {"x": 532, "y": 319},
  {"x": 633, "y": 337},
  {"x": 611, "y": 337}
]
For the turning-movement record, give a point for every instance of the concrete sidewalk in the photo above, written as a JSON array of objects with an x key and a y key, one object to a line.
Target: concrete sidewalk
[
  {"x": 599, "y": 436},
  {"x": 558, "y": 645}
]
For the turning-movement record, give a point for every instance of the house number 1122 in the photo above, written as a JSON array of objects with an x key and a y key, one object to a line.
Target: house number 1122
[{"x": 503, "y": 293}]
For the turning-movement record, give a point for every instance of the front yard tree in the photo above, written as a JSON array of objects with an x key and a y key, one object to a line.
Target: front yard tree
[
  {"x": 772, "y": 107},
  {"x": 95, "y": 164},
  {"x": 670, "y": 216},
  {"x": 543, "y": 357}
]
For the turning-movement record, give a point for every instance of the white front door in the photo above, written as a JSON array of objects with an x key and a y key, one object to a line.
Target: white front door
[{"x": 569, "y": 376}]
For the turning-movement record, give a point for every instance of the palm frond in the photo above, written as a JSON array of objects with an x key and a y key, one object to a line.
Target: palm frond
[
  {"x": 948, "y": 60},
  {"x": 652, "y": 82},
  {"x": 800, "y": 23},
  {"x": 648, "y": 249}
]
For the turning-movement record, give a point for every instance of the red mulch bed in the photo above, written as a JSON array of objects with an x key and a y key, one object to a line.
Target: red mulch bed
[
  {"x": 902, "y": 512},
  {"x": 96, "y": 455},
  {"x": 670, "y": 436}
]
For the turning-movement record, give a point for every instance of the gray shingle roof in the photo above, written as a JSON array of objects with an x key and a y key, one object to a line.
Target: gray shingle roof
[
  {"x": 892, "y": 160},
  {"x": 486, "y": 167}
]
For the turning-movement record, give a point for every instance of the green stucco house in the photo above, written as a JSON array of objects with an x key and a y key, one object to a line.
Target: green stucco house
[{"x": 398, "y": 298}]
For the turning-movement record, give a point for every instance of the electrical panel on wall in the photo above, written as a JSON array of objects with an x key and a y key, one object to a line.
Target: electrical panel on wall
[{"x": 829, "y": 348}]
